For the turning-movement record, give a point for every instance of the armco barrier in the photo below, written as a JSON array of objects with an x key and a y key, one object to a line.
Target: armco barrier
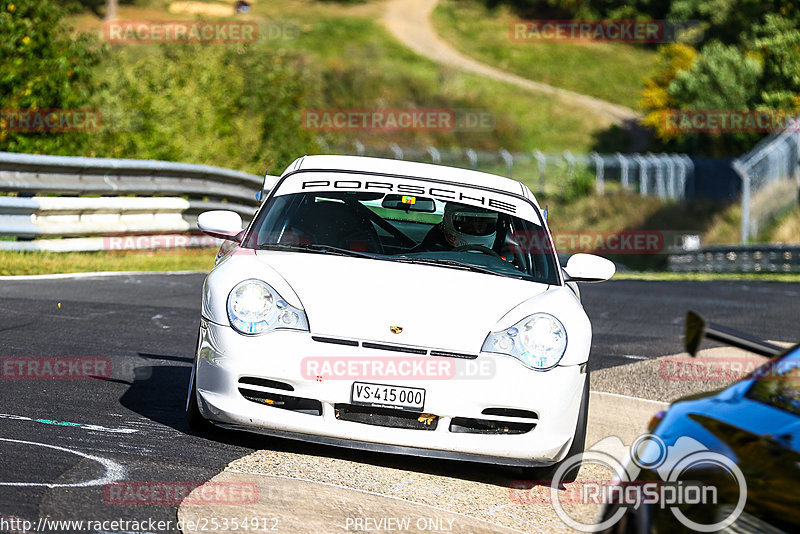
[
  {"x": 126, "y": 197},
  {"x": 767, "y": 258}
]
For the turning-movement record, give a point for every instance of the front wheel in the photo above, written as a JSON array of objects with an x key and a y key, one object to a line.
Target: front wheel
[{"x": 196, "y": 421}]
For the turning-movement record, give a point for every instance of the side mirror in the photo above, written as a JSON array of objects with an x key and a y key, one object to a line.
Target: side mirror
[
  {"x": 220, "y": 223},
  {"x": 589, "y": 268}
]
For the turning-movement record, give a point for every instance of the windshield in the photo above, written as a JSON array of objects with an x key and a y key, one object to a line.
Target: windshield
[
  {"x": 405, "y": 228},
  {"x": 778, "y": 383}
]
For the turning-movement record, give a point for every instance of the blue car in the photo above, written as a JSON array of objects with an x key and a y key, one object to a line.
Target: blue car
[{"x": 751, "y": 431}]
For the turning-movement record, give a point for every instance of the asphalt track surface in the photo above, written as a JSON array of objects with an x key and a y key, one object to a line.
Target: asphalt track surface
[{"x": 61, "y": 441}]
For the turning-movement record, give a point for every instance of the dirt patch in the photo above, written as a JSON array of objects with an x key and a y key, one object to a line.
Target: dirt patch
[{"x": 202, "y": 8}]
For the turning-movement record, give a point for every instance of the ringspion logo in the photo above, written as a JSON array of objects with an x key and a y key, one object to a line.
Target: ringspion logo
[{"x": 649, "y": 472}]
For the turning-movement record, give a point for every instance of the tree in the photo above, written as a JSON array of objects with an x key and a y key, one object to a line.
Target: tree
[
  {"x": 111, "y": 9},
  {"x": 732, "y": 21},
  {"x": 776, "y": 44},
  {"x": 721, "y": 77},
  {"x": 231, "y": 106},
  {"x": 672, "y": 59},
  {"x": 42, "y": 66}
]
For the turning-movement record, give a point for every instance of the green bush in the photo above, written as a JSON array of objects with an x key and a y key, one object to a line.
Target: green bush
[
  {"x": 579, "y": 185},
  {"x": 230, "y": 106},
  {"x": 42, "y": 66}
]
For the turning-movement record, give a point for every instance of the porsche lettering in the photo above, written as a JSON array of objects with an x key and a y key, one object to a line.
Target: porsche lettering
[{"x": 439, "y": 193}]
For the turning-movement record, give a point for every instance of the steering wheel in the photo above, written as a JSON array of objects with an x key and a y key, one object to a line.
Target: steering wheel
[{"x": 478, "y": 248}]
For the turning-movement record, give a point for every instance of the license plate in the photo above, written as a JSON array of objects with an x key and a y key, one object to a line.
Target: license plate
[{"x": 401, "y": 397}]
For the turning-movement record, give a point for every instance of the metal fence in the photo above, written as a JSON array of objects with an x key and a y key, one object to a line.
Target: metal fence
[
  {"x": 770, "y": 175},
  {"x": 108, "y": 197},
  {"x": 663, "y": 175}
]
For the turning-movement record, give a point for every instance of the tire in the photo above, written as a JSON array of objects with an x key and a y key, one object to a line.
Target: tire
[
  {"x": 577, "y": 447},
  {"x": 194, "y": 418}
]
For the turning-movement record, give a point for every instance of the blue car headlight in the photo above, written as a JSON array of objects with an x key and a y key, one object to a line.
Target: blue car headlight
[
  {"x": 254, "y": 307},
  {"x": 538, "y": 341}
]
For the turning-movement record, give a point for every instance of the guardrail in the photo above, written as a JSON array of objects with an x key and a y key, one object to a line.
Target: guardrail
[
  {"x": 765, "y": 258},
  {"x": 126, "y": 197}
]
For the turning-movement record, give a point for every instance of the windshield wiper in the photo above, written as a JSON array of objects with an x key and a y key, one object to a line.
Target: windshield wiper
[
  {"x": 456, "y": 265},
  {"x": 314, "y": 247}
]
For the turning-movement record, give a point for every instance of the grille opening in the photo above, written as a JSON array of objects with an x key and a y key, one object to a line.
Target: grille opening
[
  {"x": 511, "y": 412},
  {"x": 447, "y": 354},
  {"x": 369, "y": 415},
  {"x": 265, "y": 382},
  {"x": 335, "y": 341},
  {"x": 394, "y": 348},
  {"x": 466, "y": 425},
  {"x": 284, "y": 402}
]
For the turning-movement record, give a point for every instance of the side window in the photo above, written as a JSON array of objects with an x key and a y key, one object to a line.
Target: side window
[{"x": 778, "y": 384}]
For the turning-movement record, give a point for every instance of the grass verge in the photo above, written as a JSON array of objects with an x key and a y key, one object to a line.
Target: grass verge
[
  {"x": 22, "y": 263},
  {"x": 610, "y": 71},
  {"x": 30, "y": 263}
]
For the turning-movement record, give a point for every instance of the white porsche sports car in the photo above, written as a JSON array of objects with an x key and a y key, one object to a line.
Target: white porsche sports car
[{"x": 399, "y": 307}]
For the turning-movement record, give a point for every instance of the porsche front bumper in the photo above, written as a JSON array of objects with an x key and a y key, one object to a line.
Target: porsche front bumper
[{"x": 460, "y": 428}]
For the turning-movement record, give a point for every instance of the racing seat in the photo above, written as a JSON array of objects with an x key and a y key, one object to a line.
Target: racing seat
[{"x": 338, "y": 225}]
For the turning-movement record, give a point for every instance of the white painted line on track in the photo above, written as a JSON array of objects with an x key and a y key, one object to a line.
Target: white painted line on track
[
  {"x": 629, "y": 397},
  {"x": 59, "y": 276},
  {"x": 114, "y": 471},
  {"x": 54, "y": 422}
]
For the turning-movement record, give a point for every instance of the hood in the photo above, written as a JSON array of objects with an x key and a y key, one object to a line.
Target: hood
[{"x": 436, "y": 307}]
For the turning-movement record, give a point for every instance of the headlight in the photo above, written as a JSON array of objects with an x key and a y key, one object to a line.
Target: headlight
[
  {"x": 538, "y": 341},
  {"x": 254, "y": 307}
]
